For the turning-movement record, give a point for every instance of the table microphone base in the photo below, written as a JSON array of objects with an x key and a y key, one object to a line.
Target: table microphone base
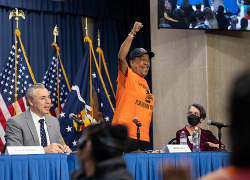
[{"x": 138, "y": 151}]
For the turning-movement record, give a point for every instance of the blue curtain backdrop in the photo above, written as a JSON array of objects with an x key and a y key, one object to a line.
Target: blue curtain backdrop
[{"x": 37, "y": 37}]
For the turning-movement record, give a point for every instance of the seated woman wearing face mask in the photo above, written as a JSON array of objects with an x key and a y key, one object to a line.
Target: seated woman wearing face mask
[{"x": 196, "y": 114}]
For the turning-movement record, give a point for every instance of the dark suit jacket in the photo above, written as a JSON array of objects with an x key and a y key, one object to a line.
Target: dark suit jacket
[
  {"x": 21, "y": 130},
  {"x": 223, "y": 22}
]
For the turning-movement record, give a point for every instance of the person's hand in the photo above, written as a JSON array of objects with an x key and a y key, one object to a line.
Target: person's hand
[
  {"x": 66, "y": 149},
  {"x": 137, "y": 27},
  {"x": 215, "y": 145},
  {"x": 53, "y": 148}
]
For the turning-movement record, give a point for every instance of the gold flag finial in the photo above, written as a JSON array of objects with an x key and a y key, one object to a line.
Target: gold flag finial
[
  {"x": 17, "y": 14},
  {"x": 86, "y": 27},
  {"x": 98, "y": 39},
  {"x": 55, "y": 33}
]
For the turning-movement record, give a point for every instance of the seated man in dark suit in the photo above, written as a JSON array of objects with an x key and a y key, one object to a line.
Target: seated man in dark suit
[
  {"x": 223, "y": 22},
  {"x": 35, "y": 127},
  {"x": 192, "y": 18}
]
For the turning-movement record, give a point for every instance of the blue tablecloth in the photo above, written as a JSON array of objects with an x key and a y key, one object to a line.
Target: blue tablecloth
[
  {"x": 141, "y": 166},
  {"x": 39, "y": 167},
  {"x": 149, "y": 166}
]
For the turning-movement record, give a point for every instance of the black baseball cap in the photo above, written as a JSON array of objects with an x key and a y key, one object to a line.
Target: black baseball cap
[{"x": 139, "y": 52}]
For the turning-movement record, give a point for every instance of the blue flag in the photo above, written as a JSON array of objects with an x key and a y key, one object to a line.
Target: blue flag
[
  {"x": 106, "y": 101},
  {"x": 78, "y": 101}
]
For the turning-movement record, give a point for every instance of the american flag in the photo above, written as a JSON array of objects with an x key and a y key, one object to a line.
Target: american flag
[
  {"x": 61, "y": 90},
  {"x": 25, "y": 79}
]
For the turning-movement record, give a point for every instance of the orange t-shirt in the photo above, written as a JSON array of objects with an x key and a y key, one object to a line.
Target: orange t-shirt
[{"x": 133, "y": 99}]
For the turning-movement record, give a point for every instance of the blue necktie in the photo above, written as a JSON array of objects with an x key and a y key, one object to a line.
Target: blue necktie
[{"x": 43, "y": 134}]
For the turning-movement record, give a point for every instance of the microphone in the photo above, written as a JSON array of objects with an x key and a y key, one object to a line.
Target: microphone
[
  {"x": 77, "y": 120},
  {"x": 136, "y": 121},
  {"x": 209, "y": 122}
]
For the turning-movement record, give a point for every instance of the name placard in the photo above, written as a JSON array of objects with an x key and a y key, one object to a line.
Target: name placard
[
  {"x": 12, "y": 150},
  {"x": 176, "y": 148}
]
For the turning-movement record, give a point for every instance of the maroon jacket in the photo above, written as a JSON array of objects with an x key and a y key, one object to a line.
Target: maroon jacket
[{"x": 206, "y": 136}]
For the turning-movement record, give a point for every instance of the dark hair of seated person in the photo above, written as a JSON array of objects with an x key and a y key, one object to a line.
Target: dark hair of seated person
[
  {"x": 200, "y": 15},
  {"x": 105, "y": 138},
  {"x": 248, "y": 11},
  {"x": 244, "y": 23},
  {"x": 185, "y": 4},
  {"x": 198, "y": 5},
  {"x": 240, "y": 121},
  {"x": 179, "y": 14},
  {"x": 208, "y": 13}
]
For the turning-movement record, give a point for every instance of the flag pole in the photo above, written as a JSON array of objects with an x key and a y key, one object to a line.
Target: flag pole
[
  {"x": 99, "y": 46},
  {"x": 98, "y": 39},
  {"x": 17, "y": 14},
  {"x": 86, "y": 27},
  {"x": 90, "y": 72},
  {"x": 55, "y": 34}
]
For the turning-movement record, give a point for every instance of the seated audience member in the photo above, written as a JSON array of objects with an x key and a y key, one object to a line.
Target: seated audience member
[
  {"x": 243, "y": 24},
  {"x": 175, "y": 19},
  {"x": 239, "y": 133},
  {"x": 200, "y": 20},
  {"x": 247, "y": 14},
  {"x": 187, "y": 8},
  {"x": 234, "y": 22},
  {"x": 35, "y": 127},
  {"x": 100, "y": 153},
  {"x": 161, "y": 8},
  {"x": 244, "y": 3},
  {"x": 173, "y": 4},
  {"x": 211, "y": 21},
  {"x": 223, "y": 22},
  {"x": 216, "y": 4},
  {"x": 195, "y": 116},
  {"x": 192, "y": 18}
]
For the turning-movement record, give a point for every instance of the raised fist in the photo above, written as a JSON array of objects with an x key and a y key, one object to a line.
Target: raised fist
[{"x": 137, "y": 26}]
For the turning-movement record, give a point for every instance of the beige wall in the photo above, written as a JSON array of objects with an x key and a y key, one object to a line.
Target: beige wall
[{"x": 193, "y": 67}]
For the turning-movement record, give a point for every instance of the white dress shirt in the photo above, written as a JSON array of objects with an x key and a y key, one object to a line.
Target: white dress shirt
[{"x": 36, "y": 119}]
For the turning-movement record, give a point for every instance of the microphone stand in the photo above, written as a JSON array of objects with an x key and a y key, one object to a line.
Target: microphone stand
[
  {"x": 138, "y": 140},
  {"x": 219, "y": 135}
]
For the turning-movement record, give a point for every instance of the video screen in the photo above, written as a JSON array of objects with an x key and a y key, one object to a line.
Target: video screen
[{"x": 204, "y": 14}]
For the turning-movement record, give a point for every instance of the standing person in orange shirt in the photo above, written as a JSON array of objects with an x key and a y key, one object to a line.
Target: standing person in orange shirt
[{"x": 133, "y": 96}]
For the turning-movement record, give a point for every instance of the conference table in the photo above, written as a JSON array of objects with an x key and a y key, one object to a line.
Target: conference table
[{"x": 146, "y": 166}]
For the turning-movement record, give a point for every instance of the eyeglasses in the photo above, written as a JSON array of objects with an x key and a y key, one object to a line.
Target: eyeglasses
[{"x": 195, "y": 113}]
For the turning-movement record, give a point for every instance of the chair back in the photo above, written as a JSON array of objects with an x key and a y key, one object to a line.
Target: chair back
[{"x": 172, "y": 141}]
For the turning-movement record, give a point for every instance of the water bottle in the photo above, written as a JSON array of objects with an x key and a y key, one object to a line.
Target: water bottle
[
  {"x": 196, "y": 140},
  {"x": 190, "y": 26},
  {"x": 183, "y": 138}
]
